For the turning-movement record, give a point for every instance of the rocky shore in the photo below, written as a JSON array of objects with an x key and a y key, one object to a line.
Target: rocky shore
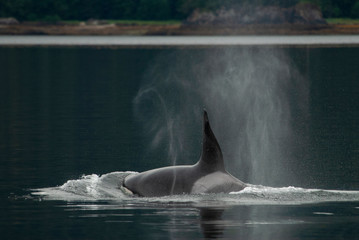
[
  {"x": 300, "y": 14},
  {"x": 302, "y": 19},
  {"x": 177, "y": 29}
]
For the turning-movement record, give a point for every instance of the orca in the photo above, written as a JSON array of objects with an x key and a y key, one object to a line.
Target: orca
[{"x": 208, "y": 175}]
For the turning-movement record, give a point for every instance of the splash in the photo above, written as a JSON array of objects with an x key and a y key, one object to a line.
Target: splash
[
  {"x": 108, "y": 188},
  {"x": 249, "y": 96},
  {"x": 87, "y": 188}
]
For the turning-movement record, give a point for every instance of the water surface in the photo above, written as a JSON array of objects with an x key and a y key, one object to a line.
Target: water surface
[
  {"x": 70, "y": 129},
  {"x": 180, "y": 41}
]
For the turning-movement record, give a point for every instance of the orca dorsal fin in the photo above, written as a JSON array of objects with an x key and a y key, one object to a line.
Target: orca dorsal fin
[{"x": 212, "y": 158}]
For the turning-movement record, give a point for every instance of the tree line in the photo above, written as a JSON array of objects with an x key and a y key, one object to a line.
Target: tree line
[{"x": 55, "y": 10}]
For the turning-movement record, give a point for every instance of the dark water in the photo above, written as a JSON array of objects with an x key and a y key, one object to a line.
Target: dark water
[{"x": 68, "y": 112}]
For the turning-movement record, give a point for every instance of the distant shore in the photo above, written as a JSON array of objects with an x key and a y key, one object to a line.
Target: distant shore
[
  {"x": 179, "y": 41},
  {"x": 36, "y": 28}
]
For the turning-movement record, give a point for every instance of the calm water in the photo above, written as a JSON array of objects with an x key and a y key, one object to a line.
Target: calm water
[
  {"x": 182, "y": 41},
  {"x": 73, "y": 121}
]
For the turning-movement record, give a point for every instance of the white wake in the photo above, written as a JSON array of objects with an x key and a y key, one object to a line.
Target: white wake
[{"x": 107, "y": 187}]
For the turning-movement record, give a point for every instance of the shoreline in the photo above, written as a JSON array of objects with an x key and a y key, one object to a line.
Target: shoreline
[
  {"x": 179, "y": 41},
  {"x": 176, "y": 29}
]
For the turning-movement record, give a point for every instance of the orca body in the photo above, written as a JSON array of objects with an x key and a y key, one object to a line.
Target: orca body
[{"x": 208, "y": 175}]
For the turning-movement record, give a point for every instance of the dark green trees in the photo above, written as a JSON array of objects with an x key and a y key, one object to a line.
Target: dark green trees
[{"x": 54, "y": 10}]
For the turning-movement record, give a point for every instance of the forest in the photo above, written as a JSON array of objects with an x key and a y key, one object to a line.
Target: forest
[{"x": 57, "y": 10}]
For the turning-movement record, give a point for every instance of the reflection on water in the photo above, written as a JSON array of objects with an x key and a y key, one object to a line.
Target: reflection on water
[
  {"x": 184, "y": 221},
  {"x": 257, "y": 212},
  {"x": 211, "y": 221}
]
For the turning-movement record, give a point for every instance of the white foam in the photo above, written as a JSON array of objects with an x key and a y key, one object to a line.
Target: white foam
[
  {"x": 108, "y": 187},
  {"x": 283, "y": 222},
  {"x": 88, "y": 187},
  {"x": 323, "y": 213},
  {"x": 264, "y": 189}
]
